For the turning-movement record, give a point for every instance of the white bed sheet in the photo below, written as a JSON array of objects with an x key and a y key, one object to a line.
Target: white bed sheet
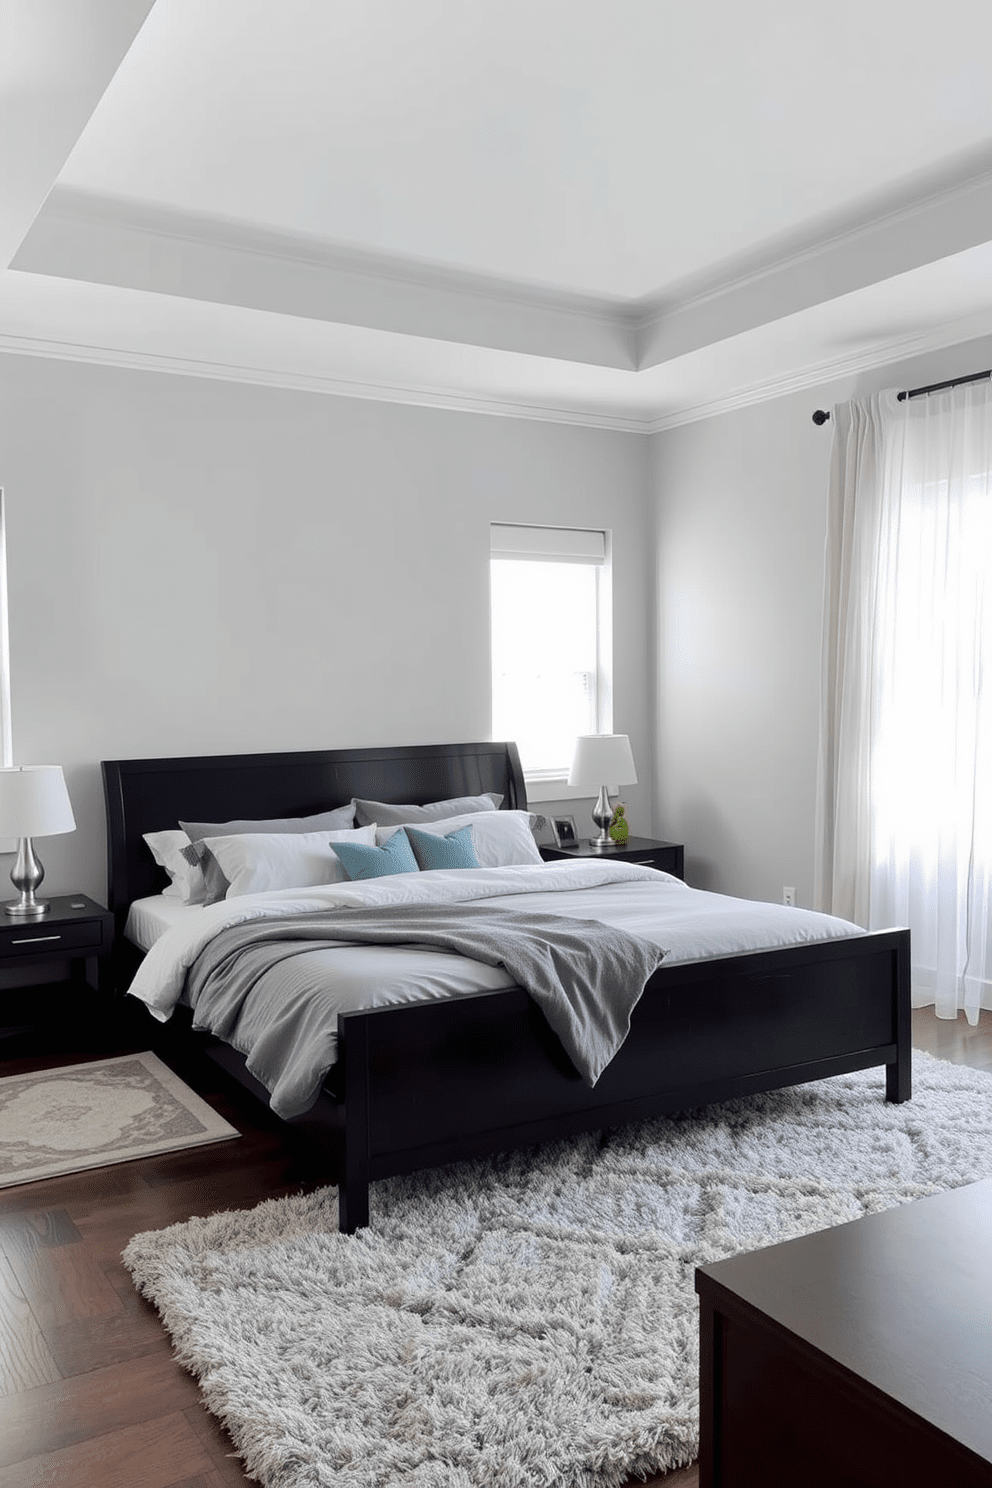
[{"x": 150, "y": 918}]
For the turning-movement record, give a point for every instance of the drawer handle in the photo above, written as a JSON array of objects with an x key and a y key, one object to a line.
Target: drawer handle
[{"x": 33, "y": 939}]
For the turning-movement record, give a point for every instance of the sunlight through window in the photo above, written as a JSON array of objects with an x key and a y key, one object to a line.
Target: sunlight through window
[{"x": 548, "y": 669}]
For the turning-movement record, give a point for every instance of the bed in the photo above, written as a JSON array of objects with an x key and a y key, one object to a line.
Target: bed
[{"x": 420, "y": 1085}]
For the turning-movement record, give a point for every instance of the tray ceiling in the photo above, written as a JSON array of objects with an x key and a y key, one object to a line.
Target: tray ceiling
[{"x": 627, "y": 215}]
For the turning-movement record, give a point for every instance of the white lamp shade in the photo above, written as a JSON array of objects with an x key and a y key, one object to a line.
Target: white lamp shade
[
  {"x": 34, "y": 801},
  {"x": 602, "y": 759}
]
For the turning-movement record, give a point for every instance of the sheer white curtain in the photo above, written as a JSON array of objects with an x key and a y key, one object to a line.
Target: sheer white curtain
[{"x": 904, "y": 808}]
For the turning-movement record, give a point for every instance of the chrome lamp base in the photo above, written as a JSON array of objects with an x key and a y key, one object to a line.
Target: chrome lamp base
[
  {"x": 602, "y": 815},
  {"x": 26, "y": 875}
]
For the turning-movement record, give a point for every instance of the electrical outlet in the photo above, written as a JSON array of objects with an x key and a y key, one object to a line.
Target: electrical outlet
[{"x": 789, "y": 895}]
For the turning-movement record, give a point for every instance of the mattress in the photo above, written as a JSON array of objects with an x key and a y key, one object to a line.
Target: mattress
[{"x": 148, "y": 919}]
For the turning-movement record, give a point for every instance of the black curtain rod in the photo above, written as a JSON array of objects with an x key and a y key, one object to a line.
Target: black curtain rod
[{"x": 820, "y": 415}]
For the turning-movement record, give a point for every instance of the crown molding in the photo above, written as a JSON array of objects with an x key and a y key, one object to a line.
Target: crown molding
[
  {"x": 159, "y": 251},
  {"x": 939, "y": 195},
  {"x": 953, "y": 218},
  {"x": 816, "y": 375},
  {"x": 72, "y": 207},
  {"x": 169, "y": 254},
  {"x": 820, "y": 374},
  {"x": 157, "y": 228},
  {"x": 812, "y": 247},
  {"x": 410, "y": 394}
]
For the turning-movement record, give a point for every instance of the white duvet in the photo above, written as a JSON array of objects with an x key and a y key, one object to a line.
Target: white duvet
[{"x": 692, "y": 924}]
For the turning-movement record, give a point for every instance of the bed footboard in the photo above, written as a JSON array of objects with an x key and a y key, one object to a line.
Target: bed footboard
[{"x": 438, "y": 1082}]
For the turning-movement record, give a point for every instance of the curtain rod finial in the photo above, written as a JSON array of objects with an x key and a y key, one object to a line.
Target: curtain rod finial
[{"x": 820, "y": 416}]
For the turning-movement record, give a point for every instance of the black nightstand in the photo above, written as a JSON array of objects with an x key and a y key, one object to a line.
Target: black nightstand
[
  {"x": 74, "y": 929},
  {"x": 668, "y": 856}
]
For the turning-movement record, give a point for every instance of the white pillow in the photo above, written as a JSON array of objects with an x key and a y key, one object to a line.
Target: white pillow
[
  {"x": 502, "y": 839},
  {"x": 187, "y": 883},
  {"x": 256, "y": 862}
]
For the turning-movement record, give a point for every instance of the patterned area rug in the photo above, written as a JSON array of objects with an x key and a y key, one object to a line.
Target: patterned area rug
[
  {"x": 530, "y": 1320},
  {"x": 89, "y": 1115}
]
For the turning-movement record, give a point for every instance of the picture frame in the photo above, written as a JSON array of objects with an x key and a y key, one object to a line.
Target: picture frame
[
  {"x": 545, "y": 831},
  {"x": 567, "y": 834}
]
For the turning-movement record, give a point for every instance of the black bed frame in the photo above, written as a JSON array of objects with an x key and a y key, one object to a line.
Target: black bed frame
[{"x": 430, "y": 1083}]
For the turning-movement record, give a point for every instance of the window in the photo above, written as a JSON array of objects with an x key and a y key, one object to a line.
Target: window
[{"x": 551, "y": 642}]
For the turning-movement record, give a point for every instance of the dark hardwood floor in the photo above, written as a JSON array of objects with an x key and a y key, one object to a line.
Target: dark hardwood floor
[{"x": 89, "y": 1393}]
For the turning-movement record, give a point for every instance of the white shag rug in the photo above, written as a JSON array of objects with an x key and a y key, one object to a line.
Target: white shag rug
[{"x": 530, "y": 1320}]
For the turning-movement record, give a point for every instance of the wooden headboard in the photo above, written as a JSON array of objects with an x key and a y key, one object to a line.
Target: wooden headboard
[{"x": 153, "y": 795}]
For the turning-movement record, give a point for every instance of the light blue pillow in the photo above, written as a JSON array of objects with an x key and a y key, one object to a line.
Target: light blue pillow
[
  {"x": 454, "y": 851},
  {"x": 395, "y": 856}
]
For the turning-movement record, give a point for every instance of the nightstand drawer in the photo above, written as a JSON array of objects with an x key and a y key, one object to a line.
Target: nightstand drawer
[
  {"x": 664, "y": 858},
  {"x": 39, "y": 939}
]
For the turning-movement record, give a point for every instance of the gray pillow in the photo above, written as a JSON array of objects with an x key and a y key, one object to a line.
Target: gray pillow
[
  {"x": 388, "y": 814},
  {"x": 217, "y": 884}
]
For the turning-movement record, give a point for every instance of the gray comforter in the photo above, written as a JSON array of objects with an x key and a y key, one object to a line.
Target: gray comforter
[{"x": 586, "y": 977}]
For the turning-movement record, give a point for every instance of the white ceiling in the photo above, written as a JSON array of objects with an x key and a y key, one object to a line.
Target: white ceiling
[{"x": 620, "y": 212}]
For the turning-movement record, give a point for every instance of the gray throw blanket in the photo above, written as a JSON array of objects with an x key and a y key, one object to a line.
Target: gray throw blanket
[{"x": 585, "y": 976}]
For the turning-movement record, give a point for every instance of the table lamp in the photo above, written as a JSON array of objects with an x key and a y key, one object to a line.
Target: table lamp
[
  {"x": 33, "y": 803},
  {"x": 600, "y": 758}
]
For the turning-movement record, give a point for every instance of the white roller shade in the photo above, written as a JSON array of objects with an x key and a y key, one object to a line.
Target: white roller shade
[{"x": 547, "y": 544}]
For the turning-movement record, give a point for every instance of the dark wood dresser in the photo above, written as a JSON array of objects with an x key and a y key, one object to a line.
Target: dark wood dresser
[{"x": 859, "y": 1355}]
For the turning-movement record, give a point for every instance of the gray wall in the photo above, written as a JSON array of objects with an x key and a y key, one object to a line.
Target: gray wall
[
  {"x": 200, "y": 567},
  {"x": 740, "y": 522}
]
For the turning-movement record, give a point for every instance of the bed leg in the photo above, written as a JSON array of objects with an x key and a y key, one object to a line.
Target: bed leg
[
  {"x": 353, "y": 1190},
  {"x": 353, "y": 1205},
  {"x": 899, "y": 1079},
  {"x": 899, "y": 1074}
]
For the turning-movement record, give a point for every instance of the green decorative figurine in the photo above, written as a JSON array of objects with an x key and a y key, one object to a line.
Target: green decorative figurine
[{"x": 618, "y": 828}]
